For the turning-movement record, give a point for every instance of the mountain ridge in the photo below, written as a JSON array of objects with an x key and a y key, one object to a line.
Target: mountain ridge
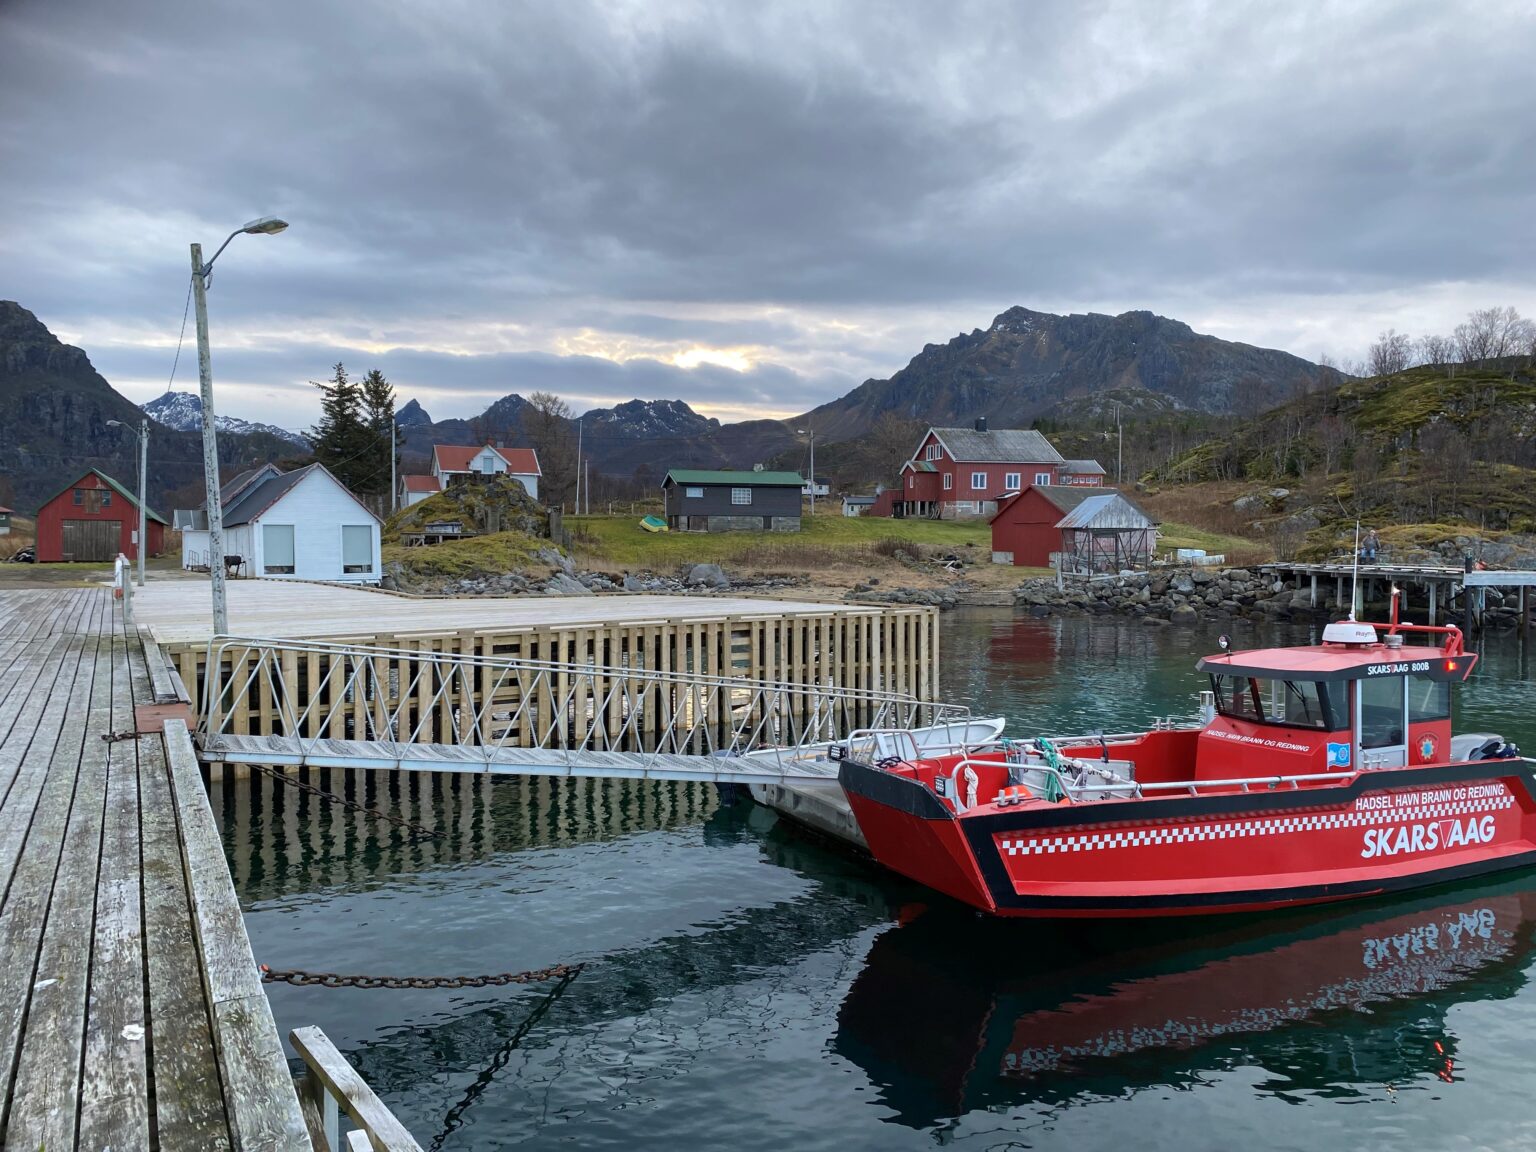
[{"x": 183, "y": 411}]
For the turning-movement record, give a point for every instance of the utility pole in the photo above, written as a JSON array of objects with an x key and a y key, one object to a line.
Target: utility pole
[
  {"x": 143, "y": 483},
  {"x": 813, "y": 471},
  {"x": 1119, "y": 448},
  {"x": 210, "y": 448},
  {"x": 576, "y": 509},
  {"x": 266, "y": 226},
  {"x": 587, "y": 488},
  {"x": 393, "y": 432}
]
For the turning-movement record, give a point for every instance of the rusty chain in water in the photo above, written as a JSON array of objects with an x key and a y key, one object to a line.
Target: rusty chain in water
[
  {"x": 337, "y": 980},
  {"x": 420, "y": 830}
]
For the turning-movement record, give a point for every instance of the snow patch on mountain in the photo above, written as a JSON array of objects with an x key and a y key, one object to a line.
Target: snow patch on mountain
[{"x": 183, "y": 411}]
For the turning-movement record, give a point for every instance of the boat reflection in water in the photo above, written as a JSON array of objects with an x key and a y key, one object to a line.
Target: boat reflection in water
[{"x": 952, "y": 1013}]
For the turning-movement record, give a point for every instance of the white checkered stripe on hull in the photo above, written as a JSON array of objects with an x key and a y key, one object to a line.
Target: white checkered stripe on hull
[{"x": 1243, "y": 829}]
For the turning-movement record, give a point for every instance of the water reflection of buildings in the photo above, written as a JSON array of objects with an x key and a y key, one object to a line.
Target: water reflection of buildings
[{"x": 950, "y": 1015}]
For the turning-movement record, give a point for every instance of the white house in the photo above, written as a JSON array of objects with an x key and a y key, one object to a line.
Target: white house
[
  {"x": 522, "y": 464},
  {"x": 417, "y": 487},
  {"x": 299, "y": 525}
]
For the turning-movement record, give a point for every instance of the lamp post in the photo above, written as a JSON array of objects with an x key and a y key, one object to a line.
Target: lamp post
[
  {"x": 266, "y": 226},
  {"x": 812, "y": 433},
  {"x": 143, "y": 434}
]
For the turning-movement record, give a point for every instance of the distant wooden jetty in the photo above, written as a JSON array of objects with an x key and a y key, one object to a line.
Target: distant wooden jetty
[{"x": 1439, "y": 584}]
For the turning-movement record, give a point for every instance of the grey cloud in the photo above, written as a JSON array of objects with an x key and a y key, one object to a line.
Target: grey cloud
[{"x": 583, "y": 166}]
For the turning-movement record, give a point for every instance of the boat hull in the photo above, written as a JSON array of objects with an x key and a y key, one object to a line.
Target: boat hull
[{"x": 1384, "y": 831}]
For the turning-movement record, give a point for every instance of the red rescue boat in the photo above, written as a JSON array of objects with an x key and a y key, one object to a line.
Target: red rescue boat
[{"x": 1320, "y": 773}]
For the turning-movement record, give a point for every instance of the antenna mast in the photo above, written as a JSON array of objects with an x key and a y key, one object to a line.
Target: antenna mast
[{"x": 1354, "y": 580}]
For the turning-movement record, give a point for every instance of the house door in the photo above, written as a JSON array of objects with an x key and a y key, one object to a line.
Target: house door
[{"x": 91, "y": 539}]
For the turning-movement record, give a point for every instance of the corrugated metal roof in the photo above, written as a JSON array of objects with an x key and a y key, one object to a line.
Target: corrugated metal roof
[
  {"x": 258, "y": 497},
  {"x": 1107, "y": 510},
  {"x": 1004, "y": 446},
  {"x": 748, "y": 479},
  {"x": 1084, "y": 468}
]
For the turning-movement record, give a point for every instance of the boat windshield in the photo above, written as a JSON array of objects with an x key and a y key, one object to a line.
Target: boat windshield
[{"x": 1293, "y": 703}]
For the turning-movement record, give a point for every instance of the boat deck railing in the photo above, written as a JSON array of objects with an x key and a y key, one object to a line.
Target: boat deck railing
[{"x": 1139, "y": 790}]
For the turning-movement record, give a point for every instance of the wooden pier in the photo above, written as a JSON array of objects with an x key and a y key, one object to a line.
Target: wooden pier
[
  {"x": 859, "y": 647},
  {"x": 1438, "y": 584},
  {"x": 131, "y": 1009}
]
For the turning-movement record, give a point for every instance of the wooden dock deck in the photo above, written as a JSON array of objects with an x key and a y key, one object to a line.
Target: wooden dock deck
[{"x": 131, "y": 1010}]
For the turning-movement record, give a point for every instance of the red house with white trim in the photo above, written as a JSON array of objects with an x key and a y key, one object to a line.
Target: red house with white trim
[
  {"x": 95, "y": 518},
  {"x": 965, "y": 471}
]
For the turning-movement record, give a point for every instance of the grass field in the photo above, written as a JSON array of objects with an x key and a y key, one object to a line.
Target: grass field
[{"x": 823, "y": 541}]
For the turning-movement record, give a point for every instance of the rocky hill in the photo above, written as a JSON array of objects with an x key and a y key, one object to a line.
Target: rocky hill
[
  {"x": 658, "y": 434},
  {"x": 183, "y": 411},
  {"x": 1452, "y": 447},
  {"x": 54, "y": 408},
  {"x": 1027, "y": 363}
]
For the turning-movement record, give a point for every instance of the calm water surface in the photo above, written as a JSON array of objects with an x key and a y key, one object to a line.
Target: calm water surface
[{"x": 746, "y": 988}]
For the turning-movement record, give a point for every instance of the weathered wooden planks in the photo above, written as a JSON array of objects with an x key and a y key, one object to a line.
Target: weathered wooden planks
[
  {"x": 108, "y": 1033},
  {"x": 258, "y": 1093},
  {"x": 341, "y": 1080}
]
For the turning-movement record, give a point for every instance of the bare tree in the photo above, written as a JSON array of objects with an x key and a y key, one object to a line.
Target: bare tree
[
  {"x": 1391, "y": 353},
  {"x": 547, "y": 424},
  {"x": 1491, "y": 333},
  {"x": 893, "y": 438},
  {"x": 1433, "y": 349}
]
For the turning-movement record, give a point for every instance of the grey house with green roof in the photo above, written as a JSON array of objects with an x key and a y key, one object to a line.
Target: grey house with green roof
[{"x": 697, "y": 500}]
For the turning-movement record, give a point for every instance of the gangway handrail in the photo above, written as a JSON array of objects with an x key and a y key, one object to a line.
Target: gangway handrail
[{"x": 1139, "y": 789}]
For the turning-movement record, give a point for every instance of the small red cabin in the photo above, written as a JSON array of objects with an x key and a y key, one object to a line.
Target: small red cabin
[
  {"x": 93, "y": 519},
  {"x": 1085, "y": 529}
]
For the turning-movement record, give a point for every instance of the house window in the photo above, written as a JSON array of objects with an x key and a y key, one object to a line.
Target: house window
[
  {"x": 487, "y": 465},
  {"x": 741, "y": 495},
  {"x": 106, "y": 498},
  {"x": 978, "y": 481},
  {"x": 694, "y": 493},
  {"x": 1011, "y": 481},
  {"x": 356, "y": 548},
  {"x": 935, "y": 452},
  {"x": 949, "y": 481},
  {"x": 277, "y": 549},
  {"x": 79, "y": 495},
  {"x": 912, "y": 481},
  {"x": 1043, "y": 479}
]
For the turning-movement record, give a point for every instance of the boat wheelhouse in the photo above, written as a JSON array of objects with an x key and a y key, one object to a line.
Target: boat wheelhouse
[{"x": 1318, "y": 773}]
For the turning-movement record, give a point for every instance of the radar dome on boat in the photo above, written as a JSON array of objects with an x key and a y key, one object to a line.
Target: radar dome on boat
[{"x": 1349, "y": 632}]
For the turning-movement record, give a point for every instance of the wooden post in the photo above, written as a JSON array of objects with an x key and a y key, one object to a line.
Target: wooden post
[
  {"x": 1314, "y": 589},
  {"x": 1434, "y": 591}
]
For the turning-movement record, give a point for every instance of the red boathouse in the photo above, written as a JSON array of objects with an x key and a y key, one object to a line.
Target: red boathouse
[{"x": 94, "y": 518}]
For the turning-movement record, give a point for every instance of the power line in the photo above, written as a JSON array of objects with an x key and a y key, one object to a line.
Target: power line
[{"x": 185, "y": 309}]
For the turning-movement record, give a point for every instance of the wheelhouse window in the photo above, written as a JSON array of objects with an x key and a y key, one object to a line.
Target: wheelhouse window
[
  {"x": 1381, "y": 712},
  {"x": 1292, "y": 703},
  {"x": 741, "y": 495},
  {"x": 1428, "y": 700}
]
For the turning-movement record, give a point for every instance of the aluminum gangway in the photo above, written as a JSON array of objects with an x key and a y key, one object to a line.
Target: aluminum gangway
[{"x": 295, "y": 703}]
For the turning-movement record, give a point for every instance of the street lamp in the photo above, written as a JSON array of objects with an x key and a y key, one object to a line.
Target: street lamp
[
  {"x": 143, "y": 434},
  {"x": 265, "y": 226},
  {"x": 812, "y": 433}
]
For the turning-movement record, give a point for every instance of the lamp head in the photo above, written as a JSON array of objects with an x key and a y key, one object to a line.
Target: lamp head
[
  {"x": 266, "y": 226},
  {"x": 116, "y": 424}
]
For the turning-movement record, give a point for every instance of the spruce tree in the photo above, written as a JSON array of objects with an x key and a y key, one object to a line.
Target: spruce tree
[
  {"x": 378, "y": 414},
  {"x": 341, "y": 438}
]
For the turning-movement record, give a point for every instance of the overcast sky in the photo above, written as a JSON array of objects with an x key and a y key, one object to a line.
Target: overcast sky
[{"x": 749, "y": 206}]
